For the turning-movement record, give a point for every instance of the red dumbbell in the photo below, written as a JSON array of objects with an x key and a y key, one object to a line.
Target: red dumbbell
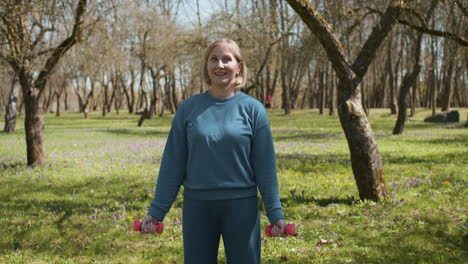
[
  {"x": 159, "y": 228},
  {"x": 290, "y": 230}
]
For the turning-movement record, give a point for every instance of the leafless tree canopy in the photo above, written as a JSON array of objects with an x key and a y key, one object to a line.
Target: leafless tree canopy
[{"x": 135, "y": 52}]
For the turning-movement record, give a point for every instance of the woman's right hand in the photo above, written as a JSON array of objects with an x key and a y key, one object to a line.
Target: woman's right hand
[{"x": 148, "y": 224}]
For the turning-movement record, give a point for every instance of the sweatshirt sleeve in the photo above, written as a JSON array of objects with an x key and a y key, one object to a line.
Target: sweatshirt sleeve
[
  {"x": 172, "y": 170},
  {"x": 264, "y": 165}
]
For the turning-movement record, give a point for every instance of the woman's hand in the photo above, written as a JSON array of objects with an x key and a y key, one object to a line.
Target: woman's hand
[
  {"x": 148, "y": 224},
  {"x": 278, "y": 229}
]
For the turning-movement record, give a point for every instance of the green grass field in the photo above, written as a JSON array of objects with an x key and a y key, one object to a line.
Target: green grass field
[{"x": 101, "y": 172}]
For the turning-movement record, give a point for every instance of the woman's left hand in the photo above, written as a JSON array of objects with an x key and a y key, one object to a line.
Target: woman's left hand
[{"x": 278, "y": 229}]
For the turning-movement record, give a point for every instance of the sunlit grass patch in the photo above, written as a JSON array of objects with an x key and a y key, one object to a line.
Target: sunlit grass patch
[{"x": 100, "y": 175}]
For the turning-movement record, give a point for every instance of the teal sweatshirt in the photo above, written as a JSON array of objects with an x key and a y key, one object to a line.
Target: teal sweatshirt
[{"x": 218, "y": 148}]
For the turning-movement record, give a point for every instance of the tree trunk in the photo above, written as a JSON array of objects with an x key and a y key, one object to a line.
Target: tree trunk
[
  {"x": 10, "y": 110},
  {"x": 111, "y": 101},
  {"x": 2, "y": 100},
  {"x": 456, "y": 87},
  {"x": 447, "y": 96},
  {"x": 408, "y": 81},
  {"x": 365, "y": 158},
  {"x": 128, "y": 91},
  {"x": 364, "y": 99},
  {"x": 34, "y": 121},
  {"x": 57, "y": 109},
  {"x": 65, "y": 102},
  {"x": 393, "y": 107},
  {"x": 332, "y": 95},
  {"x": 322, "y": 91},
  {"x": 105, "y": 99},
  {"x": 284, "y": 66},
  {"x": 173, "y": 92},
  {"x": 148, "y": 113},
  {"x": 48, "y": 101},
  {"x": 414, "y": 98},
  {"x": 433, "y": 72},
  {"x": 410, "y": 78},
  {"x": 433, "y": 85}
]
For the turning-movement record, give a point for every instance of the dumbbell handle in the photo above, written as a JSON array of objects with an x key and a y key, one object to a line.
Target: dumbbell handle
[
  {"x": 290, "y": 230},
  {"x": 159, "y": 228}
]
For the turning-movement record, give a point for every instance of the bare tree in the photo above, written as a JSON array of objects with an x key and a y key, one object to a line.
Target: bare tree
[
  {"x": 24, "y": 26},
  {"x": 365, "y": 158}
]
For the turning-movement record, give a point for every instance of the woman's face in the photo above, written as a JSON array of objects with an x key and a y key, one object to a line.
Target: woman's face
[{"x": 222, "y": 66}]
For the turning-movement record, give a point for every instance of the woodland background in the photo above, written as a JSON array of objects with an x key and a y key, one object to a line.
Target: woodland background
[
  {"x": 146, "y": 54},
  {"x": 96, "y": 84}
]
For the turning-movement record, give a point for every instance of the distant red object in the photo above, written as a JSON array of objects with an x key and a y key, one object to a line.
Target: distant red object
[
  {"x": 290, "y": 230},
  {"x": 159, "y": 228},
  {"x": 268, "y": 102}
]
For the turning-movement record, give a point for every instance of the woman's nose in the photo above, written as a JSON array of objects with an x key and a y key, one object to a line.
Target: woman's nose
[{"x": 220, "y": 64}]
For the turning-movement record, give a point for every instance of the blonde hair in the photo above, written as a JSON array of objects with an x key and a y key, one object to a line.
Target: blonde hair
[{"x": 233, "y": 47}]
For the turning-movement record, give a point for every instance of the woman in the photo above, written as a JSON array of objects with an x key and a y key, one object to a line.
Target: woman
[{"x": 220, "y": 148}]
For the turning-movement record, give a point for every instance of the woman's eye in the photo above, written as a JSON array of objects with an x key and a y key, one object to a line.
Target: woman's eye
[{"x": 226, "y": 59}]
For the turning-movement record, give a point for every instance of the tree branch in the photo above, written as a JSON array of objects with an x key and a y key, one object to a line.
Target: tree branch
[
  {"x": 424, "y": 29},
  {"x": 460, "y": 40},
  {"x": 325, "y": 34},
  {"x": 462, "y": 8},
  {"x": 41, "y": 35},
  {"x": 377, "y": 36},
  {"x": 64, "y": 46}
]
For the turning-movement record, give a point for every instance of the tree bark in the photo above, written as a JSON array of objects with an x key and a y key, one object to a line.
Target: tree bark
[
  {"x": 57, "y": 109},
  {"x": 322, "y": 90},
  {"x": 410, "y": 78},
  {"x": 392, "y": 97},
  {"x": 433, "y": 76},
  {"x": 105, "y": 99},
  {"x": 58, "y": 94},
  {"x": 447, "y": 95},
  {"x": 174, "y": 100},
  {"x": 365, "y": 158},
  {"x": 408, "y": 81},
  {"x": 414, "y": 97},
  {"x": 10, "y": 109},
  {"x": 332, "y": 95},
  {"x": 148, "y": 113},
  {"x": 129, "y": 91},
  {"x": 284, "y": 67}
]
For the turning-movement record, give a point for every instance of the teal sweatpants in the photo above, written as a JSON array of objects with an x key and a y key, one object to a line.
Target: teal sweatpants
[{"x": 236, "y": 220}]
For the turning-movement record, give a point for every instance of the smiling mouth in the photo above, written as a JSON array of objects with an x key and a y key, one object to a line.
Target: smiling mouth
[{"x": 220, "y": 73}]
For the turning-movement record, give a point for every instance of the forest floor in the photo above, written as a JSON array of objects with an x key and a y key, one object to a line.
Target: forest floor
[{"x": 101, "y": 172}]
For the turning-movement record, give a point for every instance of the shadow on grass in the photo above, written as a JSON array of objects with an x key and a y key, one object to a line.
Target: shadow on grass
[
  {"x": 304, "y": 162},
  {"x": 79, "y": 198},
  {"x": 294, "y": 198},
  {"x": 48, "y": 203},
  {"x": 283, "y": 135},
  {"x": 12, "y": 165},
  {"x": 441, "y": 141},
  {"x": 137, "y": 132},
  {"x": 425, "y": 159},
  {"x": 393, "y": 248},
  {"x": 429, "y": 244}
]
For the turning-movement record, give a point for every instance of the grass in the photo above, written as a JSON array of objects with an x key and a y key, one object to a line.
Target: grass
[{"x": 100, "y": 175}]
